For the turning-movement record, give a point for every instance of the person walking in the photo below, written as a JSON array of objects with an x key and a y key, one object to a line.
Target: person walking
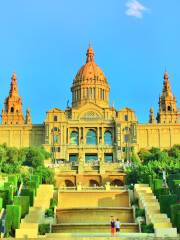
[
  {"x": 117, "y": 225},
  {"x": 113, "y": 228}
]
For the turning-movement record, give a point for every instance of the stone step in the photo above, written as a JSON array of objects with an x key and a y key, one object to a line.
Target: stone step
[
  {"x": 98, "y": 236},
  {"x": 94, "y": 215},
  {"x": 91, "y": 228}
]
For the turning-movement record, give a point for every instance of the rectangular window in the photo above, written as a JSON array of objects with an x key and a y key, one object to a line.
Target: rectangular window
[
  {"x": 73, "y": 157},
  {"x": 108, "y": 157},
  {"x": 55, "y": 149},
  {"x": 126, "y": 118},
  {"x": 91, "y": 157},
  {"x": 55, "y": 118}
]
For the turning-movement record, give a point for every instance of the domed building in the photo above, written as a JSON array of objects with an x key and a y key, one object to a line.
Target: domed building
[{"x": 90, "y": 138}]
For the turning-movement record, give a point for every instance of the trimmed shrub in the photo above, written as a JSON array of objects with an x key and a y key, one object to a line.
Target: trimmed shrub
[
  {"x": 140, "y": 212},
  {"x": 11, "y": 189},
  {"x": 53, "y": 203},
  {"x": 1, "y": 203},
  {"x": 13, "y": 179},
  {"x": 6, "y": 196},
  {"x": 147, "y": 228},
  {"x": 158, "y": 183},
  {"x": 33, "y": 184},
  {"x": 29, "y": 192},
  {"x": 24, "y": 202},
  {"x": 171, "y": 178},
  {"x": 161, "y": 191},
  {"x": 175, "y": 209},
  {"x": 44, "y": 228},
  {"x": 37, "y": 179},
  {"x": 165, "y": 202},
  {"x": 13, "y": 217},
  {"x": 178, "y": 221},
  {"x": 151, "y": 182},
  {"x": 177, "y": 192},
  {"x": 49, "y": 212}
]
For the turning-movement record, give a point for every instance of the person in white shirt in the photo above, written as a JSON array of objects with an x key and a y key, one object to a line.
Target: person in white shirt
[{"x": 117, "y": 225}]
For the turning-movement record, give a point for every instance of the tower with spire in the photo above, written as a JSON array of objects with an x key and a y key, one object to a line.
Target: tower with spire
[
  {"x": 12, "y": 113},
  {"x": 168, "y": 112}
]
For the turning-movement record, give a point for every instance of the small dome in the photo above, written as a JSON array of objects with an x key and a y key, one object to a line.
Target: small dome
[
  {"x": 90, "y": 84},
  {"x": 90, "y": 70}
]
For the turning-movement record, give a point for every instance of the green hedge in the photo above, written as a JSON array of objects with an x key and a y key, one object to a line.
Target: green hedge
[
  {"x": 13, "y": 179},
  {"x": 49, "y": 212},
  {"x": 140, "y": 212},
  {"x": 178, "y": 221},
  {"x": 157, "y": 183},
  {"x": 161, "y": 191},
  {"x": 44, "y": 228},
  {"x": 13, "y": 217},
  {"x": 1, "y": 203},
  {"x": 29, "y": 192},
  {"x": 10, "y": 187},
  {"x": 37, "y": 179},
  {"x": 34, "y": 185},
  {"x": 171, "y": 178},
  {"x": 24, "y": 202},
  {"x": 147, "y": 228},
  {"x": 151, "y": 183},
  {"x": 165, "y": 203},
  {"x": 53, "y": 203},
  {"x": 6, "y": 195},
  {"x": 175, "y": 210}
]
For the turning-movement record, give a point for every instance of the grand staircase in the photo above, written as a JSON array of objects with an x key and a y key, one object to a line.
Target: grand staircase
[{"x": 89, "y": 213}]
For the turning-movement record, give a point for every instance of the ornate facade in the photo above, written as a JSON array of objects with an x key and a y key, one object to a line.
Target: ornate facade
[{"x": 91, "y": 129}]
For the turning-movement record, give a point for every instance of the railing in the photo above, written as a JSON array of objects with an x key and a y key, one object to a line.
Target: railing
[
  {"x": 90, "y": 188},
  {"x": 87, "y": 166}
]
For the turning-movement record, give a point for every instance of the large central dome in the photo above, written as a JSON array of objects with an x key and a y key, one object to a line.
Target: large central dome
[{"x": 90, "y": 84}]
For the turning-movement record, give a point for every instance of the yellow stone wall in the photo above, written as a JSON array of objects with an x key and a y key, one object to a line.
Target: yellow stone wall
[
  {"x": 157, "y": 135},
  {"x": 22, "y": 135},
  {"x": 93, "y": 199}
]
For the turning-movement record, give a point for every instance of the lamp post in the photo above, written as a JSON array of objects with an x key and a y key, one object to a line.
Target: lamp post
[
  {"x": 52, "y": 148},
  {"x": 127, "y": 139},
  {"x": 164, "y": 179}
]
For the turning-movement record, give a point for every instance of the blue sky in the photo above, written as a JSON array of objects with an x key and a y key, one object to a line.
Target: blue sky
[{"x": 45, "y": 42}]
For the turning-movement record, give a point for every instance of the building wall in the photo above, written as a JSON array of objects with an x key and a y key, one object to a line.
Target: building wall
[
  {"x": 22, "y": 135},
  {"x": 157, "y": 135}
]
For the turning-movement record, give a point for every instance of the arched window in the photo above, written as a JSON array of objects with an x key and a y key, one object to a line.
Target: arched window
[
  {"x": 169, "y": 108},
  {"x": 91, "y": 137},
  {"x": 108, "y": 138},
  {"x": 74, "y": 137},
  {"x": 55, "y": 138},
  {"x": 69, "y": 183},
  {"x": 12, "y": 109},
  {"x": 93, "y": 183},
  {"x": 117, "y": 182}
]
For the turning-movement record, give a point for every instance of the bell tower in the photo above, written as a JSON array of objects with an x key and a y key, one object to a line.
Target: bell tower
[
  {"x": 168, "y": 111},
  {"x": 12, "y": 112}
]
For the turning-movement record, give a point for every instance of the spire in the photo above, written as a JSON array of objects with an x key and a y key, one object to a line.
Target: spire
[
  {"x": 28, "y": 116},
  {"x": 151, "y": 116},
  {"x": 90, "y": 54},
  {"x": 166, "y": 85},
  {"x": 14, "y": 89}
]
